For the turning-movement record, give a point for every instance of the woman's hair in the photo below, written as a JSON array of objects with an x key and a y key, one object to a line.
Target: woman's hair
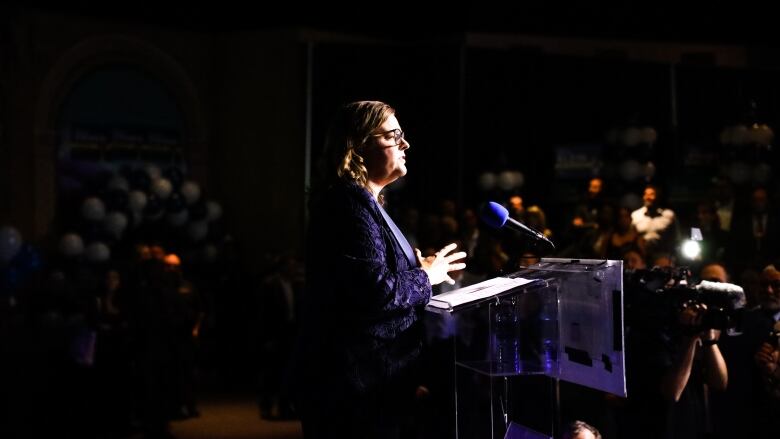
[{"x": 351, "y": 128}]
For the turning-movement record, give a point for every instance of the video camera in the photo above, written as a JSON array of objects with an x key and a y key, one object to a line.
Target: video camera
[{"x": 657, "y": 296}]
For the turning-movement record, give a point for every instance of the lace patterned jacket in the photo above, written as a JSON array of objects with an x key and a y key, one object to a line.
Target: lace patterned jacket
[{"x": 363, "y": 299}]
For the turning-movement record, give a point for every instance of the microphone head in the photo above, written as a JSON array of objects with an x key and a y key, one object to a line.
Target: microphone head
[
  {"x": 733, "y": 292},
  {"x": 494, "y": 215}
]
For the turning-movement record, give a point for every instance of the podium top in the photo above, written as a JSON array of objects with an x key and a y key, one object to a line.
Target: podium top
[{"x": 473, "y": 294}]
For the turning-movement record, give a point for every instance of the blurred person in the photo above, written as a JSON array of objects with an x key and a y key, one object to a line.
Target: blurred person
[
  {"x": 724, "y": 203},
  {"x": 587, "y": 212},
  {"x": 279, "y": 322},
  {"x": 624, "y": 237},
  {"x": 672, "y": 363},
  {"x": 516, "y": 208},
  {"x": 663, "y": 260},
  {"x": 655, "y": 224},
  {"x": 527, "y": 259},
  {"x": 754, "y": 233},
  {"x": 633, "y": 260},
  {"x": 749, "y": 408},
  {"x": 714, "y": 273},
  {"x": 580, "y": 430},
  {"x": 537, "y": 220},
  {"x": 714, "y": 239}
]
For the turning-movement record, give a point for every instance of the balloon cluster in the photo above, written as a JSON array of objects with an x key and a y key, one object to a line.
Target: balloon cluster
[
  {"x": 145, "y": 197},
  {"x": 741, "y": 172},
  {"x": 742, "y": 134},
  {"x": 632, "y": 136},
  {"x": 749, "y": 149},
  {"x": 506, "y": 181},
  {"x": 18, "y": 260}
]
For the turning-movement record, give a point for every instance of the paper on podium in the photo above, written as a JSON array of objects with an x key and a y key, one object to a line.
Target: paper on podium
[{"x": 476, "y": 292}]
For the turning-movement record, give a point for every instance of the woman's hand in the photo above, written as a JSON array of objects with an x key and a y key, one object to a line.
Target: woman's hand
[{"x": 438, "y": 267}]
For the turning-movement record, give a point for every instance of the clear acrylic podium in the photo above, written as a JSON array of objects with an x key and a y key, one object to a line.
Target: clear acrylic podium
[{"x": 517, "y": 336}]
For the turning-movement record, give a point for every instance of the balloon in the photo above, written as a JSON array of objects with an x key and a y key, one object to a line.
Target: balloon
[
  {"x": 506, "y": 180},
  {"x": 116, "y": 199},
  {"x": 98, "y": 252},
  {"x": 71, "y": 245},
  {"x": 487, "y": 181},
  {"x": 175, "y": 203},
  {"x": 198, "y": 230},
  {"x": 214, "y": 210},
  {"x": 630, "y": 170},
  {"x": 648, "y": 135},
  {"x": 139, "y": 180},
  {"x": 162, "y": 188},
  {"x": 519, "y": 179},
  {"x": 154, "y": 207},
  {"x": 10, "y": 243},
  {"x": 93, "y": 209},
  {"x": 631, "y": 136},
  {"x": 174, "y": 175},
  {"x": 137, "y": 201},
  {"x": 153, "y": 171},
  {"x": 763, "y": 134},
  {"x": 739, "y": 135},
  {"x": 28, "y": 259},
  {"x": 179, "y": 218},
  {"x": 119, "y": 182},
  {"x": 116, "y": 223},
  {"x": 199, "y": 211},
  {"x": 190, "y": 191}
]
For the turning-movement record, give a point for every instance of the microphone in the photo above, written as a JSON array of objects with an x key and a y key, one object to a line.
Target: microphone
[
  {"x": 731, "y": 292},
  {"x": 496, "y": 216}
]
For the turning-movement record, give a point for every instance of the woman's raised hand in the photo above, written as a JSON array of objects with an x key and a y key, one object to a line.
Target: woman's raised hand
[{"x": 438, "y": 267}]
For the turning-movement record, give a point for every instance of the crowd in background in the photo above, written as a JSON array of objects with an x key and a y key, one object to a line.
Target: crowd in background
[{"x": 121, "y": 348}]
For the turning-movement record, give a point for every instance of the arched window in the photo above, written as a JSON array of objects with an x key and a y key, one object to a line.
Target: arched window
[{"x": 112, "y": 117}]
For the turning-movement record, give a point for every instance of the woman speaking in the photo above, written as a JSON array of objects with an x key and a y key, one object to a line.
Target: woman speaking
[{"x": 366, "y": 286}]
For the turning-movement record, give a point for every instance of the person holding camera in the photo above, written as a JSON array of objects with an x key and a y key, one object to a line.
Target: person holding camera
[
  {"x": 672, "y": 358},
  {"x": 693, "y": 347}
]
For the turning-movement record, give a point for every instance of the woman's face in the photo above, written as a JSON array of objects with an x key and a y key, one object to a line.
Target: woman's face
[{"x": 385, "y": 155}]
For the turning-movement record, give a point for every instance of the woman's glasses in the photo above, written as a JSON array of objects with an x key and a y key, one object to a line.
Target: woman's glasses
[{"x": 398, "y": 135}]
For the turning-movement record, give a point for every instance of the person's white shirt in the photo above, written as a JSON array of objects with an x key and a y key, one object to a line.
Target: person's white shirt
[
  {"x": 725, "y": 213},
  {"x": 651, "y": 227}
]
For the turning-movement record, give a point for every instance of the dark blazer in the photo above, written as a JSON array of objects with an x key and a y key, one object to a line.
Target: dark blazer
[{"x": 363, "y": 298}]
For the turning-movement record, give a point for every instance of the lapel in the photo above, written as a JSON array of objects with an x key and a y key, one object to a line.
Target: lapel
[{"x": 395, "y": 255}]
